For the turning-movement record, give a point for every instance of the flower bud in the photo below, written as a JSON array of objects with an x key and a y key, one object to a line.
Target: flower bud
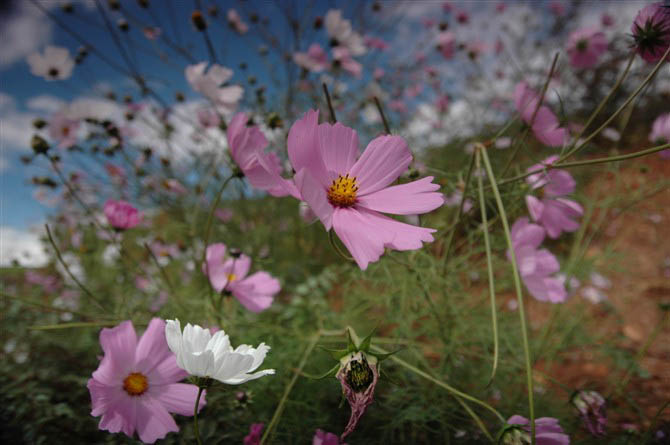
[
  {"x": 123, "y": 25},
  {"x": 198, "y": 21},
  {"x": 39, "y": 123},
  {"x": 591, "y": 408},
  {"x": 358, "y": 377},
  {"x": 114, "y": 5},
  {"x": 39, "y": 145}
]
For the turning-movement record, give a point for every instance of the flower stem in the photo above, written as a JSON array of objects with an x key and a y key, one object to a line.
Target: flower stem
[
  {"x": 381, "y": 113},
  {"x": 333, "y": 118},
  {"x": 196, "y": 430},
  {"x": 517, "y": 286}
]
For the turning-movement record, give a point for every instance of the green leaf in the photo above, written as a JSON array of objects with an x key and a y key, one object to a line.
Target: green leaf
[
  {"x": 337, "y": 354},
  {"x": 330, "y": 373}
]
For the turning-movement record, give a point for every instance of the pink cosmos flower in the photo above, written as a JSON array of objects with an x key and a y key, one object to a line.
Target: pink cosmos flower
[
  {"x": 442, "y": 103},
  {"x": 545, "y": 125},
  {"x": 378, "y": 73},
  {"x": 341, "y": 32},
  {"x": 606, "y": 20},
  {"x": 254, "y": 292},
  {"x": 208, "y": 83},
  {"x": 651, "y": 31},
  {"x": 446, "y": 44},
  {"x": 247, "y": 145},
  {"x": 50, "y": 283},
  {"x": 462, "y": 17},
  {"x": 554, "y": 212},
  {"x": 135, "y": 387},
  {"x": 376, "y": 43},
  {"x": 342, "y": 56},
  {"x": 255, "y": 434},
  {"x": 547, "y": 430},
  {"x": 324, "y": 438},
  {"x": 314, "y": 60},
  {"x": 536, "y": 267},
  {"x": 121, "y": 215},
  {"x": 236, "y": 22},
  {"x": 347, "y": 191},
  {"x": 660, "y": 133},
  {"x": 585, "y": 46},
  {"x": 63, "y": 130}
]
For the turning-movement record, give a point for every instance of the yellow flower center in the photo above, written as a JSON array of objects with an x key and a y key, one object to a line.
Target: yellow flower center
[
  {"x": 135, "y": 384},
  {"x": 231, "y": 277},
  {"x": 342, "y": 192}
]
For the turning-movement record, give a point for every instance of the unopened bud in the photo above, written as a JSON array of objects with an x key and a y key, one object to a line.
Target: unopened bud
[
  {"x": 114, "y": 5},
  {"x": 198, "y": 21},
  {"x": 68, "y": 8},
  {"x": 235, "y": 253},
  {"x": 123, "y": 25},
  {"x": 39, "y": 145},
  {"x": 213, "y": 11},
  {"x": 318, "y": 23},
  {"x": 179, "y": 96},
  {"x": 143, "y": 3},
  {"x": 39, "y": 123}
]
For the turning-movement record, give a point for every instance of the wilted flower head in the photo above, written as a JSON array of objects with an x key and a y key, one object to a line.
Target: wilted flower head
[
  {"x": 591, "y": 408},
  {"x": 202, "y": 354},
  {"x": 585, "y": 46},
  {"x": 553, "y": 211},
  {"x": 651, "y": 31},
  {"x": 547, "y": 432},
  {"x": 347, "y": 191},
  {"x": 255, "y": 292},
  {"x": 544, "y": 123},
  {"x": 121, "y": 214},
  {"x": 54, "y": 64},
  {"x": 358, "y": 376},
  {"x": 135, "y": 387}
]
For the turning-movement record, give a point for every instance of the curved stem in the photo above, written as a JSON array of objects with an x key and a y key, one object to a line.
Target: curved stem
[
  {"x": 381, "y": 113},
  {"x": 339, "y": 251},
  {"x": 517, "y": 286},
  {"x": 196, "y": 430}
]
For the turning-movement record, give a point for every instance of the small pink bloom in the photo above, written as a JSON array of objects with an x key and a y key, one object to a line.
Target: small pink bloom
[
  {"x": 557, "y": 7},
  {"x": 314, "y": 60},
  {"x": 501, "y": 6},
  {"x": 208, "y": 81},
  {"x": 324, "y": 438},
  {"x": 651, "y": 31},
  {"x": 545, "y": 125},
  {"x": 660, "y": 133},
  {"x": 151, "y": 32},
  {"x": 442, "y": 103},
  {"x": 347, "y": 191},
  {"x": 63, "y": 130},
  {"x": 174, "y": 186},
  {"x": 208, "y": 118},
  {"x": 585, "y": 46},
  {"x": 398, "y": 105},
  {"x": 255, "y": 433},
  {"x": 536, "y": 266},
  {"x": 255, "y": 292},
  {"x": 135, "y": 386},
  {"x": 462, "y": 17},
  {"x": 378, "y": 73},
  {"x": 446, "y": 44},
  {"x": 607, "y": 20},
  {"x": 236, "y": 22},
  {"x": 247, "y": 145},
  {"x": 121, "y": 215},
  {"x": 225, "y": 214},
  {"x": 376, "y": 43},
  {"x": 342, "y": 56}
]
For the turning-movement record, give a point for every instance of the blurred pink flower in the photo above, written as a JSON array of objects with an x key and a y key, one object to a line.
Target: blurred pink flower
[
  {"x": 660, "y": 133},
  {"x": 536, "y": 266},
  {"x": 208, "y": 83},
  {"x": 585, "y": 46},
  {"x": 121, "y": 215},
  {"x": 554, "y": 212},
  {"x": 342, "y": 56},
  {"x": 378, "y": 73},
  {"x": 151, "y": 32},
  {"x": 225, "y": 214},
  {"x": 376, "y": 43},
  {"x": 174, "y": 186},
  {"x": 545, "y": 125},
  {"x": 340, "y": 31},
  {"x": 324, "y": 438},
  {"x": 314, "y": 60},
  {"x": 501, "y": 6},
  {"x": 50, "y": 283},
  {"x": 135, "y": 386},
  {"x": 442, "y": 103},
  {"x": 63, "y": 130},
  {"x": 557, "y": 7},
  {"x": 651, "y": 31},
  {"x": 547, "y": 430},
  {"x": 255, "y": 433},
  {"x": 606, "y": 20},
  {"x": 446, "y": 44},
  {"x": 208, "y": 118},
  {"x": 247, "y": 145},
  {"x": 398, "y": 105},
  {"x": 347, "y": 194},
  {"x": 462, "y": 17},
  {"x": 236, "y": 22},
  {"x": 254, "y": 292}
]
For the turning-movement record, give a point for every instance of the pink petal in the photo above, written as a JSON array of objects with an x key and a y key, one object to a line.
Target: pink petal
[
  {"x": 119, "y": 345},
  {"x": 560, "y": 182},
  {"x": 384, "y": 159},
  {"x": 364, "y": 241},
  {"x": 253, "y": 298},
  {"x": 303, "y": 147},
  {"x": 314, "y": 194},
  {"x": 178, "y": 398},
  {"x": 152, "y": 348},
  {"x": 339, "y": 147},
  {"x": 153, "y": 421},
  {"x": 264, "y": 283},
  {"x": 244, "y": 142},
  {"x": 166, "y": 372},
  {"x": 535, "y": 207},
  {"x": 241, "y": 266},
  {"x": 103, "y": 395},
  {"x": 406, "y": 199},
  {"x": 405, "y": 236}
]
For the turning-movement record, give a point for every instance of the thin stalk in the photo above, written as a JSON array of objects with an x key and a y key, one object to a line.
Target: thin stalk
[
  {"x": 208, "y": 225},
  {"x": 339, "y": 251},
  {"x": 46, "y": 307},
  {"x": 76, "y": 324},
  {"x": 196, "y": 430},
  {"x": 381, "y": 113},
  {"x": 489, "y": 265},
  {"x": 457, "y": 218},
  {"x": 69, "y": 272},
  {"x": 280, "y": 407},
  {"x": 517, "y": 286},
  {"x": 333, "y": 118},
  {"x": 621, "y": 108}
]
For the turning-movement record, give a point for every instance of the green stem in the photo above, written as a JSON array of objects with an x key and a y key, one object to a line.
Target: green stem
[
  {"x": 517, "y": 286},
  {"x": 196, "y": 430},
  {"x": 489, "y": 265},
  {"x": 457, "y": 218},
  {"x": 280, "y": 407},
  {"x": 339, "y": 251},
  {"x": 333, "y": 118},
  {"x": 77, "y": 324},
  {"x": 381, "y": 113}
]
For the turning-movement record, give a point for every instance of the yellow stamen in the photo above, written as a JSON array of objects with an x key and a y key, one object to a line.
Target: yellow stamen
[
  {"x": 231, "y": 277},
  {"x": 135, "y": 384},
  {"x": 342, "y": 192}
]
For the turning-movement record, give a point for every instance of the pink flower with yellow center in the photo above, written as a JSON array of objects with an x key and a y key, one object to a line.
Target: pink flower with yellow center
[
  {"x": 136, "y": 387},
  {"x": 349, "y": 192}
]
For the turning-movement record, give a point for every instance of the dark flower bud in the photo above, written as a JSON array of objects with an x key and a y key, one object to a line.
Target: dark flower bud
[
  {"x": 39, "y": 123},
  {"x": 235, "y": 253},
  {"x": 143, "y": 3},
  {"x": 123, "y": 25},
  {"x": 179, "y": 96},
  {"x": 274, "y": 121},
  {"x": 26, "y": 159},
  {"x": 198, "y": 21},
  {"x": 243, "y": 66},
  {"x": 253, "y": 18},
  {"x": 376, "y": 6},
  {"x": 263, "y": 50},
  {"x": 111, "y": 96},
  {"x": 68, "y": 8},
  {"x": 165, "y": 162},
  {"x": 318, "y": 23},
  {"x": 213, "y": 11},
  {"x": 251, "y": 80},
  {"x": 114, "y": 5},
  {"x": 443, "y": 26},
  {"x": 39, "y": 145}
]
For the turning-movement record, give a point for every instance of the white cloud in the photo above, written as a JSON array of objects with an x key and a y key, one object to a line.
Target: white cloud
[
  {"x": 24, "y": 31},
  {"x": 4, "y": 164},
  {"x": 15, "y": 126},
  {"x": 22, "y": 246},
  {"x": 45, "y": 103}
]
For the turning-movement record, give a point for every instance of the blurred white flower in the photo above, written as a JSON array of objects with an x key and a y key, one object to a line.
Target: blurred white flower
[
  {"x": 205, "y": 355},
  {"x": 340, "y": 29},
  {"x": 208, "y": 82},
  {"x": 54, "y": 64}
]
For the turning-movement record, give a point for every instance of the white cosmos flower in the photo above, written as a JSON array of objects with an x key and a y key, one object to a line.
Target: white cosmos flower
[
  {"x": 205, "y": 355},
  {"x": 208, "y": 83},
  {"x": 340, "y": 29},
  {"x": 54, "y": 64}
]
